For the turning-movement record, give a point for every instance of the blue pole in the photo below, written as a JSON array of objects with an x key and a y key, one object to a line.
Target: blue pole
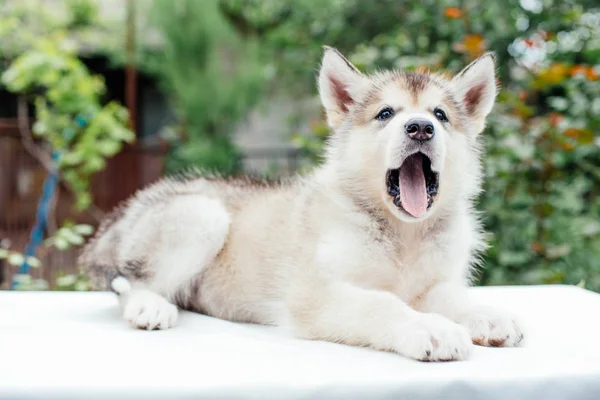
[{"x": 37, "y": 233}]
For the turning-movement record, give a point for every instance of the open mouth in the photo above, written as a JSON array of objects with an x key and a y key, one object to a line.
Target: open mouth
[{"x": 414, "y": 186}]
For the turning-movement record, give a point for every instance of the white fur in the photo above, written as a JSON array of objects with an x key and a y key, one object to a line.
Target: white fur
[
  {"x": 335, "y": 73},
  {"x": 190, "y": 249},
  {"x": 480, "y": 73},
  {"x": 145, "y": 309},
  {"x": 431, "y": 337},
  {"x": 487, "y": 325},
  {"x": 121, "y": 285},
  {"x": 329, "y": 256},
  {"x": 191, "y": 231}
]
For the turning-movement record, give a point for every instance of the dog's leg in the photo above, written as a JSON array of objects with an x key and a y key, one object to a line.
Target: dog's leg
[
  {"x": 348, "y": 314},
  {"x": 487, "y": 326},
  {"x": 192, "y": 231}
]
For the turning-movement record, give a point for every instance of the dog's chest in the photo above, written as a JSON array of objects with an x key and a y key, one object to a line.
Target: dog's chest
[
  {"x": 419, "y": 265},
  {"x": 415, "y": 264},
  {"x": 407, "y": 267}
]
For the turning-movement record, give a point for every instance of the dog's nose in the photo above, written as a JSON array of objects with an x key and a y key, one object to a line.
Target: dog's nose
[{"x": 419, "y": 129}]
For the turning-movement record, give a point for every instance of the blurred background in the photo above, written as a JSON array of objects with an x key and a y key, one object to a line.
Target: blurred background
[{"x": 101, "y": 97}]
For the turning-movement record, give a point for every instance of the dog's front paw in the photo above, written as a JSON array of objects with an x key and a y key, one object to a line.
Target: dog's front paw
[
  {"x": 148, "y": 310},
  {"x": 431, "y": 337},
  {"x": 493, "y": 328}
]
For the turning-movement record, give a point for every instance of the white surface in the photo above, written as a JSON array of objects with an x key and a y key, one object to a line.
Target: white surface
[{"x": 75, "y": 346}]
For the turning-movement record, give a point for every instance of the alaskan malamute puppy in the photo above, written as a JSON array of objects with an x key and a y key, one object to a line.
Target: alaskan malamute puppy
[{"x": 374, "y": 248}]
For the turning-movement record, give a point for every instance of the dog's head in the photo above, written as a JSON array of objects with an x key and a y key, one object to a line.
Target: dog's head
[{"x": 406, "y": 139}]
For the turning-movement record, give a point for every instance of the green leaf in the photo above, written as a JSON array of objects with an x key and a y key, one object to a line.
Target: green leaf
[
  {"x": 61, "y": 243},
  {"x": 22, "y": 279},
  {"x": 83, "y": 201},
  {"x": 509, "y": 258},
  {"x": 66, "y": 280},
  {"x": 558, "y": 251},
  {"x": 40, "y": 284},
  {"x": 39, "y": 128},
  {"x": 72, "y": 158},
  {"x": 71, "y": 236},
  {"x": 93, "y": 164},
  {"x": 108, "y": 148},
  {"x": 84, "y": 229},
  {"x": 34, "y": 262},
  {"x": 81, "y": 286},
  {"x": 15, "y": 259}
]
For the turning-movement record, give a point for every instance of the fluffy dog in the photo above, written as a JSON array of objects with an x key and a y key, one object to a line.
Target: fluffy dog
[{"x": 374, "y": 248}]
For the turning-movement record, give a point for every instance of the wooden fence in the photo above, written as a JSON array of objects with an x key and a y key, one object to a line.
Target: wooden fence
[{"x": 21, "y": 180}]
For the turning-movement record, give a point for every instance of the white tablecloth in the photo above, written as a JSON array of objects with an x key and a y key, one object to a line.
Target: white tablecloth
[{"x": 75, "y": 346}]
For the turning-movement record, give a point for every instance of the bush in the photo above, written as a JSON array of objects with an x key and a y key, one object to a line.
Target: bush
[
  {"x": 542, "y": 165},
  {"x": 212, "y": 76}
]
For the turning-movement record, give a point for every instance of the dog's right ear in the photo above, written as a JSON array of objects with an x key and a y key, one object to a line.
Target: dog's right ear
[{"x": 340, "y": 85}]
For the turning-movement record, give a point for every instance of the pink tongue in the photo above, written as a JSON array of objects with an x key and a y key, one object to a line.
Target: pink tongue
[{"x": 413, "y": 193}]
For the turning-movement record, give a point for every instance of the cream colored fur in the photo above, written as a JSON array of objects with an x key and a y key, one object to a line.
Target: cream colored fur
[{"x": 327, "y": 256}]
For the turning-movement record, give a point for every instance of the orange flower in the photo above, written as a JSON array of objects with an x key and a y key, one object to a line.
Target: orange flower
[
  {"x": 591, "y": 74},
  {"x": 523, "y": 95},
  {"x": 586, "y": 70},
  {"x": 537, "y": 247},
  {"x": 555, "y": 119},
  {"x": 577, "y": 69},
  {"x": 453, "y": 12},
  {"x": 548, "y": 35},
  {"x": 472, "y": 44},
  {"x": 567, "y": 146},
  {"x": 572, "y": 133},
  {"x": 581, "y": 135},
  {"x": 555, "y": 74}
]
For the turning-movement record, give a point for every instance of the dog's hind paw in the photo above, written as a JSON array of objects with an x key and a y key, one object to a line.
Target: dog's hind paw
[{"x": 148, "y": 310}]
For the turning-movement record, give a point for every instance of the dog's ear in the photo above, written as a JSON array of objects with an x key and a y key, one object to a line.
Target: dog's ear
[
  {"x": 340, "y": 85},
  {"x": 476, "y": 88}
]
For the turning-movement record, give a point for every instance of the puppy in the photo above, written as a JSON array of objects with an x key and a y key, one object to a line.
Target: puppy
[{"x": 374, "y": 248}]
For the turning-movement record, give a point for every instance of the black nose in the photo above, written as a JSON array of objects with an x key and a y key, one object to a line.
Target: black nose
[{"x": 419, "y": 129}]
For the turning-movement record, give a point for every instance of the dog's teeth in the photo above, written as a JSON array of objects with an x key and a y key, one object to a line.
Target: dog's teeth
[{"x": 431, "y": 190}]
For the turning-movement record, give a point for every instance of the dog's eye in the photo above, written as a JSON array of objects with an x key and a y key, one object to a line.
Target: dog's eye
[
  {"x": 440, "y": 115},
  {"x": 384, "y": 114}
]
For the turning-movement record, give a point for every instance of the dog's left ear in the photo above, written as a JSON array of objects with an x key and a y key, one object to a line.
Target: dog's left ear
[
  {"x": 476, "y": 88},
  {"x": 340, "y": 85}
]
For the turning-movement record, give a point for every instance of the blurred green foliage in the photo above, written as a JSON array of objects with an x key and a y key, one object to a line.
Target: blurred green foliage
[
  {"x": 68, "y": 236},
  {"x": 541, "y": 205},
  {"x": 211, "y": 74},
  {"x": 217, "y": 58},
  {"x": 70, "y": 116}
]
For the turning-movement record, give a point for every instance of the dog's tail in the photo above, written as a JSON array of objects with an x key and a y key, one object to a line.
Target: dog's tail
[{"x": 99, "y": 260}]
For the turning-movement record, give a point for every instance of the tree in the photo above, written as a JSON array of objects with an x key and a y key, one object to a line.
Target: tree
[
  {"x": 75, "y": 131},
  {"x": 211, "y": 74}
]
